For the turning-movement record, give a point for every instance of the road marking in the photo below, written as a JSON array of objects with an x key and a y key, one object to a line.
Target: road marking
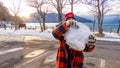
[
  {"x": 102, "y": 61},
  {"x": 92, "y": 58},
  {"x": 28, "y": 38},
  {"x": 10, "y": 50},
  {"x": 34, "y": 53},
  {"x": 50, "y": 58},
  {"x": 30, "y": 61},
  {"x": 102, "y": 64}
]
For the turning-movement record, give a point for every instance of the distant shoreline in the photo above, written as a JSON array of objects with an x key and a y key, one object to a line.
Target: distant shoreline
[{"x": 107, "y": 27}]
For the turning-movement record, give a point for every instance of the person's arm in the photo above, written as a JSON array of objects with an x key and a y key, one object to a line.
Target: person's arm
[
  {"x": 90, "y": 46},
  {"x": 60, "y": 30}
]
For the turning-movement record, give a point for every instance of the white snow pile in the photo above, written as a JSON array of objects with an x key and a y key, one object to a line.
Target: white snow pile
[
  {"x": 112, "y": 37},
  {"x": 77, "y": 38},
  {"x": 23, "y": 32}
]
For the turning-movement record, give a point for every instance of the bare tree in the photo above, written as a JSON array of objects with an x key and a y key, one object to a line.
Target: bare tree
[
  {"x": 72, "y": 2},
  {"x": 118, "y": 29},
  {"x": 59, "y": 5},
  {"x": 16, "y": 10},
  {"x": 41, "y": 15},
  {"x": 94, "y": 23},
  {"x": 3, "y": 12},
  {"x": 99, "y": 8},
  {"x": 118, "y": 16}
]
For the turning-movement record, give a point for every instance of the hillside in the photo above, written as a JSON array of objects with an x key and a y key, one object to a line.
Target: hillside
[
  {"x": 53, "y": 17},
  {"x": 107, "y": 18}
]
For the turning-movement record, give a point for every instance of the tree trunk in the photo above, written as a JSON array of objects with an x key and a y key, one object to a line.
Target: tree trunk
[
  {"x": 15, "y": 22},
  {"x": 44, "y": 25},
  {"x": 100, "y": 30},
  {"x": 71, "y": 7},
  {"x": 118, "y": 30},
  {"x": 40, "y": 25},
  {"x": 94, "y": 24},
  {"x": 15, "y": 26},
  {"x": 44, "y": 21},
  {"x": 59, "y": 16},
  {"x": 99, "y": 19}
]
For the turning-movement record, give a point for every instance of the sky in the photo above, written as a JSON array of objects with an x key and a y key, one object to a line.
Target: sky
[{"x": 26, "y": 10}]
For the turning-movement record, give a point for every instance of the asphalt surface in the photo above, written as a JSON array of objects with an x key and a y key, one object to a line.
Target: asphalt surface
[{"x": 36, "y": 52}]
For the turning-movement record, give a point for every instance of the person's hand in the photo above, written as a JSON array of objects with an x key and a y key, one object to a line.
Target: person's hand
[
  {"x": 71, "y": 23},
  {"x": 67, "y": 23},
  {"x": 90, "y": 44},
  {"x": 91, "y": 41}
]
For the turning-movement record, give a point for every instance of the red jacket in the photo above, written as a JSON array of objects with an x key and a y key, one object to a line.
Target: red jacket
[{"x": 66, "y": 56}]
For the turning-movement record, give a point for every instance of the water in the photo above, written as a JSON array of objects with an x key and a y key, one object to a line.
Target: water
[
  {"x": 106, "y": 26},
  {"x": 37, "y": 24}
]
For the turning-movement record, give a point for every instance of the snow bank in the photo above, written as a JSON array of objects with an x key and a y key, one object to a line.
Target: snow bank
[
  {"x": 112, "y": 37},
  {"x": 23, "y": 32},
  {"x": 48, "y": 35}
]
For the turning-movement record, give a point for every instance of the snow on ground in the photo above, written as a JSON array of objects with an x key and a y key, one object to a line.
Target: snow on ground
[
  {"x": 47, "y": 34},
  {"x": 113, "y": 37},
  {"x": 109, "y": 39},
  {"x": 23, "y": 32}
]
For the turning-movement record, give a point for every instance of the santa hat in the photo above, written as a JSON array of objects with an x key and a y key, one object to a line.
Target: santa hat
[{"x": 69, "y": 15}]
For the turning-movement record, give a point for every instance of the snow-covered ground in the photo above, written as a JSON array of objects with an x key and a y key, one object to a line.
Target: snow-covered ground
[
  {"x": 23, "y": 32},
  {"x": 47, "y": 34},
  {"x": 113, "y": 37}
]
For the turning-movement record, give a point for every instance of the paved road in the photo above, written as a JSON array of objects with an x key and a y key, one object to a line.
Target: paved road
[
  {"x": 106, "y": 54},
  {"x": 35, "y": 52}
]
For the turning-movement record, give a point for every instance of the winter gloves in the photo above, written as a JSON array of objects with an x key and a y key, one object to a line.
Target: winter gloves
[{"x": 91, "y": 44}]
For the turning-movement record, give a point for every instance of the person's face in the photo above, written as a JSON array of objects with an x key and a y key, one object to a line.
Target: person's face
[{"x": 71, "y": 19}]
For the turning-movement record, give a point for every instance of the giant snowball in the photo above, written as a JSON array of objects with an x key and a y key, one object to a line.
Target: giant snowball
[{"x": 77, "y": 38}]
